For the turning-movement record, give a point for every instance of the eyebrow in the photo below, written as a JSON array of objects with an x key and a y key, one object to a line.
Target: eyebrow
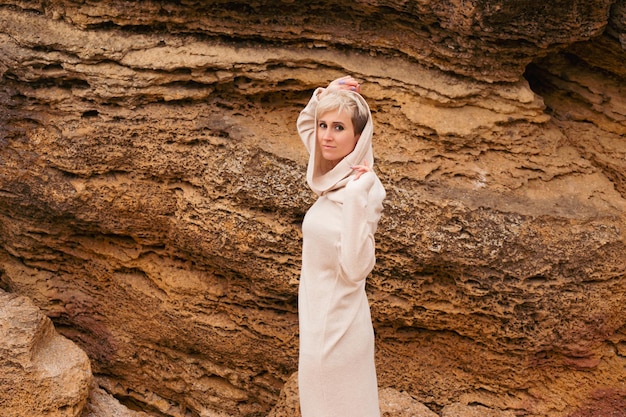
[{"x": 336, "y": 122}]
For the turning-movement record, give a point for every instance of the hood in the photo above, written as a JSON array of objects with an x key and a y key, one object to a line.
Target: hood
[{"x": 322, "y": 177}]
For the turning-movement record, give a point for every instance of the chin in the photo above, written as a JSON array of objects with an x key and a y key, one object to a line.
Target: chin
[{"x": 330, "y": 158}]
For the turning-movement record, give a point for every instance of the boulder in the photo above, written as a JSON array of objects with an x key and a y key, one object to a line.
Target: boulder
[{"x": 42, "y": 374}]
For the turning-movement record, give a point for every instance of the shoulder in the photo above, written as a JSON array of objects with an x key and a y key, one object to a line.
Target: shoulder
[
  {"x": 368, "y": 184},
  {"x": 363, "y": 184}
]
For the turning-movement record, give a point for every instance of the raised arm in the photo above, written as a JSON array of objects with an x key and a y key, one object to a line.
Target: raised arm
[{"x": 306, "y": 119}]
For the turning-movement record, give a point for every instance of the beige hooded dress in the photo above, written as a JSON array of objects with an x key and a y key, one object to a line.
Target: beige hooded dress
[{"x": 337, "y": 375}]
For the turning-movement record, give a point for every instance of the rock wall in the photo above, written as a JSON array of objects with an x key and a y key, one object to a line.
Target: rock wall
[
  {"x": 152, "y": 188},
  {"x": 41, "y": 372}
]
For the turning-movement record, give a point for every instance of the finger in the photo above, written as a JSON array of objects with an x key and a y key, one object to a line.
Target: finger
[
  {"x": 359, "y": 170},
  {"x": 345, "y": 78},
  {"x": 354, "y": 86},
  {"x": 363, "y": 168},
  {"x": 348, "y": 83}
]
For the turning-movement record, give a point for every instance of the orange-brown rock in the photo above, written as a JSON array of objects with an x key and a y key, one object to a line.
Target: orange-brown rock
[
  {"x": 392, "y": 403},
  {"x": 41, "y": 372},
  {"x": 152, "y": 187},
  {"x": 103, "y": 404}
]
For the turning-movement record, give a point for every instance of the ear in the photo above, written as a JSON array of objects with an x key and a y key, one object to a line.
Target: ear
[{"x": 356, "y": 141}]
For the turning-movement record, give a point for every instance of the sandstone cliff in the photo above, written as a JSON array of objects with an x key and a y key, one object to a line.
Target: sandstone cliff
[
  {"x": 152, "y": 187},
  {"x": 36, "y": 359}
]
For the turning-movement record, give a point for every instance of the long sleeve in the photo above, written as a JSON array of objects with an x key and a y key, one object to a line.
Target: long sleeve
[
  {"x": 306, "y": 122},
  {"x": 362, "y": 207}
]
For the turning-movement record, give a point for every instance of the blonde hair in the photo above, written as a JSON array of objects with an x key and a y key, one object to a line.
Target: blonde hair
[{"x": 344, "y": 101}]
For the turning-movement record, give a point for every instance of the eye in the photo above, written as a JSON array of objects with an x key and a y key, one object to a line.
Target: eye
[
  {"x": 323, "y": 125},
  {"x": 339, "y": 128}
]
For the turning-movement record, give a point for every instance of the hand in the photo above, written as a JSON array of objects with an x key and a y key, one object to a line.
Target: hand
[
  {"x": 345, "y": 83},
  {"x": 360, "y": 170}
]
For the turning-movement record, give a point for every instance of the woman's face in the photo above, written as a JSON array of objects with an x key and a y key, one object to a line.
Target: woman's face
[{"x": 335, "y": 135}]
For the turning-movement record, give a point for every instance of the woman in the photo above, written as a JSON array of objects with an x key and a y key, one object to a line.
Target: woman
[{"x": 337, "y": 375}]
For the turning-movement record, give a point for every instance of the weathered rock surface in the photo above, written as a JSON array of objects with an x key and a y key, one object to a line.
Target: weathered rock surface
[
  {"x": 41, "y": 372},
  {"x": 102, "y": 404},
  {"x": 392, "y": 403},
  {"x": 152, "y": 187},
  {"x": 474, "y": 410}
]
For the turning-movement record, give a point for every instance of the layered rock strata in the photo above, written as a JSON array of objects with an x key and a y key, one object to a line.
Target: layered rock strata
[{"x": 152, "y": 187}]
